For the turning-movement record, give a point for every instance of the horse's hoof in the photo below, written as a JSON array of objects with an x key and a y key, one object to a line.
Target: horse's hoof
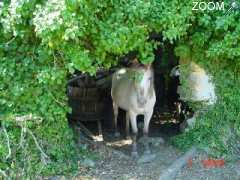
[
  {"x": 134, "y": 155},
  {"x": 117, "y": 134}
]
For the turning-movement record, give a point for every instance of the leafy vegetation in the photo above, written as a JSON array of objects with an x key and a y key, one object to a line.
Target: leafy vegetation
[
  {"x": 214, "y": 43},
  {"x": 43, "y": 41}
]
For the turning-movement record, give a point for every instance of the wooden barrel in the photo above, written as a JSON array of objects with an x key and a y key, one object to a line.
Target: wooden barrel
[{"x": 86, "y": 103}]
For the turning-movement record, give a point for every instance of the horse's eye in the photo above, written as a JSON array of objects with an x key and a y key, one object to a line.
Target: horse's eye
[{"x": 150, "y": 78}]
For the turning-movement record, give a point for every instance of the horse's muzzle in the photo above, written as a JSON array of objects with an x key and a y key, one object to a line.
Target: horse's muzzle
[{"x": 141, "y": 101}]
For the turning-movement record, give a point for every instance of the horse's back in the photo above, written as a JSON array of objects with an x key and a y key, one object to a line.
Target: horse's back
[
  {"x": 118, "y": 77},
  {"x": 121, "y": 88}
]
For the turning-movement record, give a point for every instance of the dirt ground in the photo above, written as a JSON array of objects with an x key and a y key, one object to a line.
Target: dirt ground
[
  {"x": 116, "y": 164},
  {"x": 116, "y": 161}
]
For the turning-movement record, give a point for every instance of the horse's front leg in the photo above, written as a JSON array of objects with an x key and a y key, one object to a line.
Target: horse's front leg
[
  {"x": 127, "y": 125},
  {"x": 133, "y": 120},
  {"x": 147, "y": 118}
]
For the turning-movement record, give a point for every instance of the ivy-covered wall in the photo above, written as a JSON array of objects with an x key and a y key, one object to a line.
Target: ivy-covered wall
[{"x": 43, "y": 41}]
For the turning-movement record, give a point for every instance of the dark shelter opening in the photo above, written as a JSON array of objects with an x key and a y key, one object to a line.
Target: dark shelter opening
[{"x": 91, "y": 103}]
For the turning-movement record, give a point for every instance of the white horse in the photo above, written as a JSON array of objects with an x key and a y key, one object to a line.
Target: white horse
[{"x": 133, "y": 91}]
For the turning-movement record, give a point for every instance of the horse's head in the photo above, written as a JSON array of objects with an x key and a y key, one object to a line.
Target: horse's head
[{"x": 143, "y": 83}]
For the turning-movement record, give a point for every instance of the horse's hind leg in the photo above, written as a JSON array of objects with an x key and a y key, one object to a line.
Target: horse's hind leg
[
  {"x": 115, "y": 112},
  {"x": 147, "y": 118},
  {"x": 133, "y": 121},
  {"x": 127, "y": 125}
]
